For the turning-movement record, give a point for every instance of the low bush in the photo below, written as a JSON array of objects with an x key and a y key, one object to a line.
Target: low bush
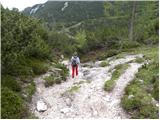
[
  {"x": 104, "y": 63},
  {"x": 155, "y": 92},
  {"x": 126, "y": 44},
  {"x": 31, "y": 88},
  {"x": 107, "y": 54},
  {"x": 22, "y": 70},
  {"x": 139, "y": 60},
  {"x": 109, "y": 85},
  {"x": 64, "y": 71},
  {"x": 38, "y": 67},
  {"x": 140, "y": 104},
  {"x": 12, "y": 106},
  {"x": 11, "y": 83},
  {"x": 111, "y": 53},
  {"x": 49, "y": 80}
]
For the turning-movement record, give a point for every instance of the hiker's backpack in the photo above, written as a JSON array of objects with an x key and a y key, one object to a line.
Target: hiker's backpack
[{"x": 74, "y": 61}]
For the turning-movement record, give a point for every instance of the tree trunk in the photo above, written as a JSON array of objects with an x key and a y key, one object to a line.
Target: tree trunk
[{"x": 132, "y": 21}]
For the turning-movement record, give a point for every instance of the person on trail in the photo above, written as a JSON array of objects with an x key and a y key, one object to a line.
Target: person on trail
[{"x": 75, "y": 61}]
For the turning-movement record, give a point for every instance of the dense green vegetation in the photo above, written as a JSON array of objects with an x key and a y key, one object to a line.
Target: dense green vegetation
[
  {"x": 12, "y": 105},
  {"x": 25, "y": 54},
  {"x": 144, "y": 87}
]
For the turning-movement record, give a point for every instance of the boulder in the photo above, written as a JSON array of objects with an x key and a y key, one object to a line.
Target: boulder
[
  {"x": 66, "y": 110},
  {"x": 41, "y": 106}
]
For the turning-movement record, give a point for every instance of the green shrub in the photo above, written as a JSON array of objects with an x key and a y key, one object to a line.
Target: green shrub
[
  {"x": 148, "y": 111},
  {"x": 31, "y": 88},
  {"x": 139, "y": 60},
  {"x": 38, "y": 67},
  {"x": 155, "y": 92},
  {"x": 111, "y": 53},
  {"x": 109, "y": 85},
  {"x": 27, "y": 39},
  {"x": 140, "y": 106},
  {"x": 29, "y": 67},
  {"x": 22, "y": 70},
  {"x": 104, "y": 63},
  {"x": 62, "y": 75},
  {"x": 126, "y": 44},
  {"x": 11, "y": 83},
  {"x": 49, "y": 80},
  {"x": 58, "y": 79},
  {"x": 108, "y": 53},
  {"x": 130, "y": 104},
  {"x": 12, "y": 106},
  {"x": 119, "y": 70},
  {"x": 64, "y": 71}
]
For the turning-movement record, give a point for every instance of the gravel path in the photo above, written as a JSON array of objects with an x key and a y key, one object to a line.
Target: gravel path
[{"x": 90, "y": 100}]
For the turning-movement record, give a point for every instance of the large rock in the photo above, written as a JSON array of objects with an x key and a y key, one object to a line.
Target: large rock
[
  {"x": 66, "y": 110},
  {"x": 41, "y": 106}
]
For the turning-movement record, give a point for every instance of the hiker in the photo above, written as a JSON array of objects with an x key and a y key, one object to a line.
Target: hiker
[{"x": 75, "y": 61}]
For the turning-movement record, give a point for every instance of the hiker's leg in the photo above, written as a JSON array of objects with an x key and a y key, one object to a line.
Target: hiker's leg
[
  {"x": 72, "y": 72},
  {"x": 76, "y": 70}
]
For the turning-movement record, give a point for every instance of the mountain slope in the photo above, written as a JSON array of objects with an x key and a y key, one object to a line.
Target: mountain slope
[{"x": 54, "y": 11}]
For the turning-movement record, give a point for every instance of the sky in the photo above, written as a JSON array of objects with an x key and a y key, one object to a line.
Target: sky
[{"x": 20, "y": 4}]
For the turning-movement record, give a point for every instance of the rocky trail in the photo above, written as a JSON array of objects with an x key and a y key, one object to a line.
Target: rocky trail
[{"x": 84, "y": 96}]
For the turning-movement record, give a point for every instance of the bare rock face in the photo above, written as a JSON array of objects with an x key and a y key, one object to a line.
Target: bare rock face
[{"x": 41, "y": 106}]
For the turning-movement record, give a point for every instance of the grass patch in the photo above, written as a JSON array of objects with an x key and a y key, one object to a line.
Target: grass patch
[
  {"x": 83, "y": 81},
  {"x": 109, "y": 85},
  {"x": 49, "y": 80},
  {"x": 141, "y": 106},
  {"x": 73, "y": 89},
  {"x": 104, "y": 63}
]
